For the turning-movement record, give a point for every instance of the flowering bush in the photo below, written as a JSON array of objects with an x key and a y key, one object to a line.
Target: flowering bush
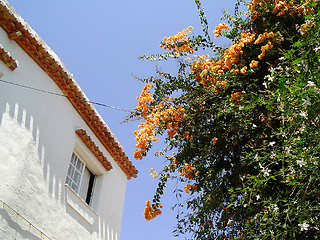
[{"x": 244, "y": 124}]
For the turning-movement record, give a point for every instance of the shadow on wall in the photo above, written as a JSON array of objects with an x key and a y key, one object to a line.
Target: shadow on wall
[
  {"x": 19, "y": 226},
  {"x": 33, "y": 177},
  {"x": 19, "y": 232}
]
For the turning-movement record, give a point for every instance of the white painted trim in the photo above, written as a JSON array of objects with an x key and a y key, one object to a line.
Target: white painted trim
[{"x": 79, "y": 205}]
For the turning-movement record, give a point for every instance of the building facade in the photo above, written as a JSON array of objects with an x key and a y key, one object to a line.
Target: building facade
[{"x": 62, "y": 172}]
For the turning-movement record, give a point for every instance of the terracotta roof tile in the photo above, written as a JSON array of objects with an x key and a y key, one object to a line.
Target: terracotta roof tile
[
  {"x": 8, "y": 59},
  {"x": 86, "y": 139}
]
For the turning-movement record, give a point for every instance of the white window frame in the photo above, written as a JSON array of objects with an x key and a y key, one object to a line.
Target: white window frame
[{"x": 77, "y": 171}]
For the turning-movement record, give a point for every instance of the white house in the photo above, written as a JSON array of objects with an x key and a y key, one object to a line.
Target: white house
[{"x": 62, "y": 172}]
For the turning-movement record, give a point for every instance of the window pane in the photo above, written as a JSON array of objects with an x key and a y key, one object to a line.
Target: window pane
[
  {"x": 79, "y": 165},
  {"x": 70, "y": 171},
  {"x": 68, "y": 181},
  {"x": 74, "y": 187},
  {"x": 74, "y": 173},
  {"x": 77, "y": 178},
  {"x": 73, "y": 159},
  {"x": 73, "y": 170}
]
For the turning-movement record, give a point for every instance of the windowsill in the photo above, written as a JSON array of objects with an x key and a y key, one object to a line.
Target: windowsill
[{"x": 79, "y": 205}]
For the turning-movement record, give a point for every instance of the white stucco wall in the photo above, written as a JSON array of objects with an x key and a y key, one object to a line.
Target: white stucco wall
[{"x": 37, "y": 138}]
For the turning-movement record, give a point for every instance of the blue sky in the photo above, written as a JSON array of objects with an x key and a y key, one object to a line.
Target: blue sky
[{"x": 99, "y": 41}]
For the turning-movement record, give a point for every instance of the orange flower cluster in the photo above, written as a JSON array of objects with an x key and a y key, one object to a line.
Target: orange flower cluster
[
  {"x": 144, "y": 98},
  {"x": 263, "y": 36},
  {"x": 187, "y": 171},
  {"x": 254, "y": 64},
  {"x": 207, "y": 71},
  {"x": 153, "y": 173},
  {"x": 231, "y": 55},
  {"x": 217, "y": 31},
  {"x": 277, "y": 38},
  {"x": 159, "y": 115},
  {"x": 146, "y": 131},
  {"x": 247, "y": 37},
  {"x": 236, "y": 97},
  {"x": 173, "y": 163},
  {"x": 282, "y": 7},
  {"x": 178, "y": 43},
  {"x": 244, "y": 70},
  {"x": 203, "y": 69},
  {"x": 278, "y": 7},
  {"x": 189, "y": 188},
  {"x": 173, "y": 116},
  {"x": 253, "y": 4},
  {"x": 264, "y": 48},
  {"x": 150, "y": 212}
]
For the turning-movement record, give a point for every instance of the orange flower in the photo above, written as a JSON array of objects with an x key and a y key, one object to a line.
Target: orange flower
[
  {"x": 278, "y": 7},
  {"x": 144, "y": 98},
  {"x": 253, "y": 4},
  {"x": 264, "y": 36},
  {"x": 214, "y": 141},
  {"x": 153, "y": 173},
  {"x": 254, "y": 64},
  {"x": 264, "y": 49},
  {"x": 244, "y": 70},
  {"x": 189, "y": 188},
  {"x": 150, "y": 212},
  {"x": 206, "y": 70},
  {"x": 235, "y": 70},
  {"x": 163, "y": 115},
  {"x": 236, "y": 97},
  {"x": 187, "y": 171},
  {"x": 178, "y": 43},
  {"x": 219, "y": 28}
]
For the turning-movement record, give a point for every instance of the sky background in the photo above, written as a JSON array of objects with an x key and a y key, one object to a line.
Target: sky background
[{"x": 100, "y": 41}]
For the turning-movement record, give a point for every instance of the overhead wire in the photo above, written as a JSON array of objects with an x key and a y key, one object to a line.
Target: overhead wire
[{"x": 62, "y": 95}]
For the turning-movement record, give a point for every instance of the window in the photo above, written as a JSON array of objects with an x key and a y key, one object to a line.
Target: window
[{"x": 80, "y": 178}]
